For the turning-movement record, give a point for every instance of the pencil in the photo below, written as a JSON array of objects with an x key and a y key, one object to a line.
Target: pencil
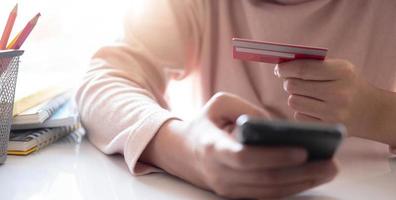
[
  {"x": 8, "y": 27},
  {"x": 17, "y": 42}
]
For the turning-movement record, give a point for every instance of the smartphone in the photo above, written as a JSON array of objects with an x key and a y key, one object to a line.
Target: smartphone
[{"x": 320, "y": 140}]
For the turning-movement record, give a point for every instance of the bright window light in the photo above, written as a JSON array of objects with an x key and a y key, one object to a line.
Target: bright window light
[{"x": 65, "y": 37}]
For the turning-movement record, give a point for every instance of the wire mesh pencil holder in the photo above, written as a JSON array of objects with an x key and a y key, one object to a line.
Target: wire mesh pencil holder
[{"x": 9, "y": 61}]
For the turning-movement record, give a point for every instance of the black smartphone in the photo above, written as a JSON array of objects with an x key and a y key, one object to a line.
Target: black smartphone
[{"x": 320, "y": 140}]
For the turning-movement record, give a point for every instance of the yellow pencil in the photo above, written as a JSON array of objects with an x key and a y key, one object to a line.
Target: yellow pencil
[
  {"x": 8, "y": 27},
  {"x": 17, "y": 42}
]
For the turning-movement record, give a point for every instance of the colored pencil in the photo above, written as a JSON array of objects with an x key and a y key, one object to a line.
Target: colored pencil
[
  {"x": 17, "y": 42},
  {"x": 8, "y": 27}
]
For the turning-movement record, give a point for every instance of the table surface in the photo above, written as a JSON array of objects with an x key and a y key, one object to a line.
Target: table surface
[{"x": 74, "y": 169}]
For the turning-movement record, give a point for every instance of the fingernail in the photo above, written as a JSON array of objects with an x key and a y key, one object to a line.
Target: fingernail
[
  {"x": 285, "y": 85},
  {"x": 276, "y": 71}
]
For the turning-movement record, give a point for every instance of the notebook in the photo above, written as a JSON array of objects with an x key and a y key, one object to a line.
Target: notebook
[
  {"x": 28, "y": 99},
  {"x": 29, "y": 141},
  {"x": 66, "y": 115},
  {"x": 41, "y": 112}
]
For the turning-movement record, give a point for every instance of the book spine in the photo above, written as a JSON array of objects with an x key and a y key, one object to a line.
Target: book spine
[
  {"x": 50, "y": 135},
  {"x": 55, "y": 134},
  {"x": 54, "y": 104}
]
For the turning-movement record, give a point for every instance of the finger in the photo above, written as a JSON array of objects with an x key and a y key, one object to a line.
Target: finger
[
  {"x": 315, "y": 89},
  {"x": 261, "y": 158},
  {"x": 319, "y": 171},
  {"x": 225, "y": 106},
  {"x": 307, "y": 105},
  {"x": 264, "y": 192},
  {"x": 305, "y": 118},
  {"x": 315, "y": 171},
  {"x": 314, "y": 70}
]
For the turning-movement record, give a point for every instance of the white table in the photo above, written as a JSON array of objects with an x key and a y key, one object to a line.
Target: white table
[{"x": 74, "y": 169}]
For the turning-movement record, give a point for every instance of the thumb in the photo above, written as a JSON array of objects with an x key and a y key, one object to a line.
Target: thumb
[{"x": 228, "y": 107}]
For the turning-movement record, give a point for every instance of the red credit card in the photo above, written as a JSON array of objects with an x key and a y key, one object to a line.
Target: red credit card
[{"x": 275, "y": 53}]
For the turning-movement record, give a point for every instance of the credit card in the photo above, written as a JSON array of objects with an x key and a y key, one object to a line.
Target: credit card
[{"x": 269, "y": 52}]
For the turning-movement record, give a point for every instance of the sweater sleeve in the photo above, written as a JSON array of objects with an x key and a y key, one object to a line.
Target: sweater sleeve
[{"x": 121, "y": 98}]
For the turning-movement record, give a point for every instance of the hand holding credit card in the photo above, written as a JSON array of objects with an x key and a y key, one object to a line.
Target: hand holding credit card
[{"x": 275, "y": 53}]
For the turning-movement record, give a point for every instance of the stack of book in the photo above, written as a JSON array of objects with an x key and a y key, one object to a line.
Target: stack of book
[{"x": 40, "y": 119}]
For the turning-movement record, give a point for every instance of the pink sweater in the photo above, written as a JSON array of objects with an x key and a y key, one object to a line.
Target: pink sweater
[{"x": 121, "y": 99}]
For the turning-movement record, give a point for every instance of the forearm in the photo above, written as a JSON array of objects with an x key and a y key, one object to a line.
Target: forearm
[
  {"x": 120, "y": 118},
  {"x": 120, "y": 110}
]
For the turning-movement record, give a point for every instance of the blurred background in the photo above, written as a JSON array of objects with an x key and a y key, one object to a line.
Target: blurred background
[
  {"x": 68, "y": 33},
  {"x": 65, "y": 37}
]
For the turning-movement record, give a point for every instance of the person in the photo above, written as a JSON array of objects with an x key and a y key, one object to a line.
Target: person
[{"x": 123, "y": 106}]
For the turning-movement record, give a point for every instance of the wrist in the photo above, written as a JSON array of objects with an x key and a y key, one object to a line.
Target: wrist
[
  {"x": 171, "y": 151},
  {"x": 377, "y": 116},
  {"x": 386, "y": 118}
]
